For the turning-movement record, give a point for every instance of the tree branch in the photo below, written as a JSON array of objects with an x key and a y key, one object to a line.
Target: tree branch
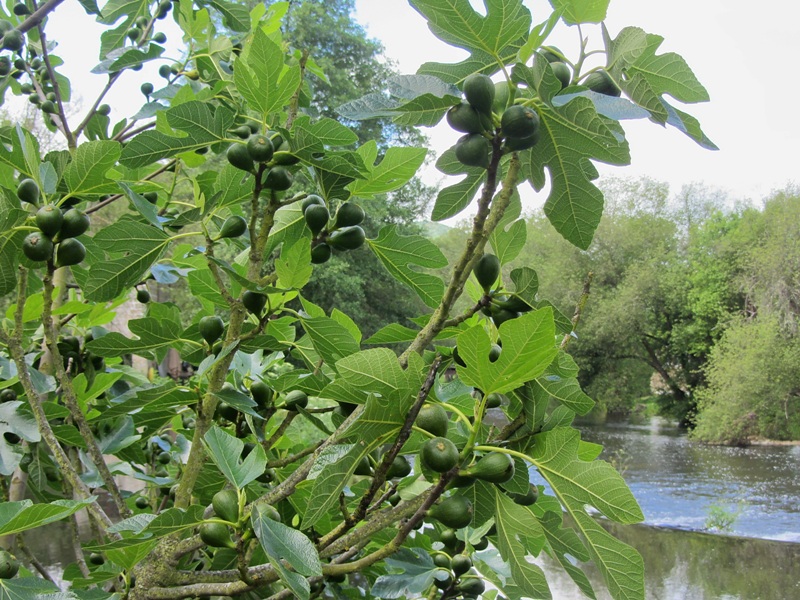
[
  {"x": 38, "y": 16},
  {"x": 35, "y": 402},
  {"x": 484, "y": 222}
]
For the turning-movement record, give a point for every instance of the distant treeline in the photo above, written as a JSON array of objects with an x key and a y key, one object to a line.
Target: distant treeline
[{"x": 695, "y": 303}]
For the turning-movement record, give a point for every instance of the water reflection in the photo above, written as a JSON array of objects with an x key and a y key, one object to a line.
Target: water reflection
[
  {"x": 683, "y": 565},
  {"x": 676, "y": 481}
]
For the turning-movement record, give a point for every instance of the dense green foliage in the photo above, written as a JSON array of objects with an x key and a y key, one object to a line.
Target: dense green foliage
[{"x": 285, "y": 462}]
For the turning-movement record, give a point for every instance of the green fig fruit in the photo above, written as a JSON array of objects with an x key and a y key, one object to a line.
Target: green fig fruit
[
  {"x": 494, "y": 467},
  {"x": 211, "y": 328},
  {"x": 37, "y": 247},
  {"x": 260, "y": 148},
  {"x": 75, "y": 223},
  {"x": 254, "y": 302},
  {"x": 479, "y": 91},
  {"x": 216, "y": 535},
  {"x": 295, "y": 399},
  {"x": 347, "y": 238},
  {"x": 439, "y": 454},
  {"x": 226, "y": 505},
  {"x": 348, "y": 214},
  {"x": 28, "y": 191},
  {"x": 455, "y": 512},
  {"x": 239, "y": 157},
  {"x": 487, "y": 270},
  {"x": 233, "y": 227},
  {"x": 70, "y": 252},
  {"x": 433, "y": 419}
]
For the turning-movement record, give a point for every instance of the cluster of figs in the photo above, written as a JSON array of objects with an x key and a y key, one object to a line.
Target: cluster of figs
[
  {"x": 272, "y": 153},
  {"x": 343, "y": 232},
  {"x": 439, "y": 455},
  {"x": 268, "y": 150},
  {"x": 56, "y": 229},
  {"x": 489, "y": 112},
  {"x": 519, "y": 124},
  {"x": 499, "y": 307}
]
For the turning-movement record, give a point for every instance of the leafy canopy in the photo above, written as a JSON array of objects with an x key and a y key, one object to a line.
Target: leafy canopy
[{"x": 283, "y": 454}]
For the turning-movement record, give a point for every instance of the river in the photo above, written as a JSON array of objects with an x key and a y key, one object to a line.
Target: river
[{"x": 677, "y": 482}]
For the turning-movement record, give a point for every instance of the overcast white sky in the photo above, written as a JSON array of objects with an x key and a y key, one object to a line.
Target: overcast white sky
[{"x": 744, "y": 52}]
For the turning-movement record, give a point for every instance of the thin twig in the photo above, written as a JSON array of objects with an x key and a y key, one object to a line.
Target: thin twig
[
  {"x": 112, "y": 79},
  {"x": 20, "y": 542},
  {"x": 282, "y": 462},
  {"x": 38, "y": 16},
  {"x": 116, "y": 197},
  {"x": 576, "y": 318},
  {"x": 54, "y": 82},
  {"x": 379, "y": 476}
]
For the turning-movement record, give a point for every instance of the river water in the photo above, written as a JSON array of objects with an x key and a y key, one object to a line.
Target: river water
[{"x": 677, "y": 482}]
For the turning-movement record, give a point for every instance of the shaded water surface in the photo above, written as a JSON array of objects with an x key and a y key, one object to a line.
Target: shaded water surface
[{"x": 686, "y": 565}]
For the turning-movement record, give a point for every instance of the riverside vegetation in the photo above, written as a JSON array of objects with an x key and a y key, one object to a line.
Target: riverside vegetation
[
  {"x": 404, "y": 479},
  {"x": 692, "y": 288}
]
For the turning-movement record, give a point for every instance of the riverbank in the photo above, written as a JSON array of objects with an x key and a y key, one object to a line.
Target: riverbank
[{"x": 764, "y": 442}]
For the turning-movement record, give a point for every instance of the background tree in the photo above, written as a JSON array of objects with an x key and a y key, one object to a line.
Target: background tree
[{"x": 353, "y": 65}]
